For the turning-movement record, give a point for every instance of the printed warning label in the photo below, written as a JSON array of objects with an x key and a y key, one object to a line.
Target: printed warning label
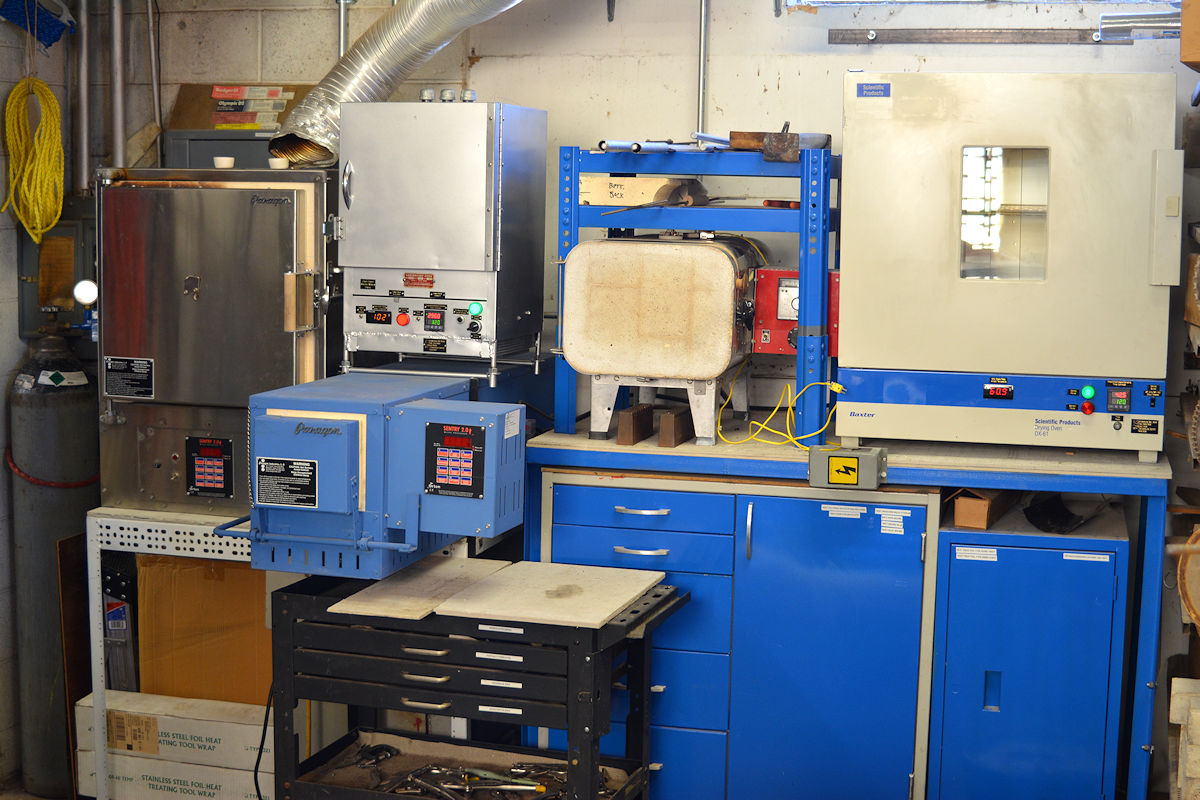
[
  {"x": 1086, "y": 557},
  {"x": 1143, "y": 426},
  {"x": 54, "y": 377},
  {"x": 129, "y": 377},
  {"x": 975, "y": 553},
  {"x": 286, "y": 482},
  {"x": 843, "y": 512},
  {"x": 135, "y": 733},
  {"x": 512, "y": 423},
  {"x": 419, "y": 280},
  {"x": 843, "y": 470}
]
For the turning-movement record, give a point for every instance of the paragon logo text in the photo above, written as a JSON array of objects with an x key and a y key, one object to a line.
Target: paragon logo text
[{"x": 317, "y": 430}]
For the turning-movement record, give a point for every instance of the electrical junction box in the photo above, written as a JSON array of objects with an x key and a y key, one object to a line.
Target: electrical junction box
[
  {"x": 847, "y": 467},
  {"x": 362, "y": 474},
  {"x": 776, "y": 309}
]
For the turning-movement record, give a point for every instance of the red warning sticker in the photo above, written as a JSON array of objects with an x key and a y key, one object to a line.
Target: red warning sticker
[{"x": 420, "y": 280}]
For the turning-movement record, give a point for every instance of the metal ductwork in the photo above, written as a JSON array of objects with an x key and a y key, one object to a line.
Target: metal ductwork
[{"x": 400, "y": 41}]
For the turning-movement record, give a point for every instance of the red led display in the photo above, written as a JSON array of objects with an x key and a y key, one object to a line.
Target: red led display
[
  {"x": 211, "y": 452},
  {"x": 461, "y": 442}
]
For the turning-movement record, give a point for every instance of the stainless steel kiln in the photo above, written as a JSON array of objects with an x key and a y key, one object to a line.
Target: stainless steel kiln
[{"x": 211, "y": 289}]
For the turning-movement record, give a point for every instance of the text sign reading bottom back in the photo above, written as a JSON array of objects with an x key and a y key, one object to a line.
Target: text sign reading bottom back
[{"x": 286, "y": 482}]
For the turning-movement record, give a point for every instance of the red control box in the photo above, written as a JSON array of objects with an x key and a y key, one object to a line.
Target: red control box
[{"x": 776, "y": 308}]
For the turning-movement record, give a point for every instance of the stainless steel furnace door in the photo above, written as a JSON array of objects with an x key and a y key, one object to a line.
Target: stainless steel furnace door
[{"x": 192, "y": 278}]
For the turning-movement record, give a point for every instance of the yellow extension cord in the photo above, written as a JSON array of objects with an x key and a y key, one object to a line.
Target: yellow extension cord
[{"x": 35, "y": 158}]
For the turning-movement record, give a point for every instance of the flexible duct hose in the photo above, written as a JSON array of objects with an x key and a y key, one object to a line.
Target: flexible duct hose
[
  {"x": 35, "y": 158},
  {"x": 400, "y": 41}
]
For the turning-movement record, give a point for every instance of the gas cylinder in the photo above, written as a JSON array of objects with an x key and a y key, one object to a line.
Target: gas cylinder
[{"x": 54, "y": 459}]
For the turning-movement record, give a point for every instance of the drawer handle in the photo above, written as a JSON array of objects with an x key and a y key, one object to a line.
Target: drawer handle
[
  {"x": 429, "y": 706},
  {"x": 657, "y": 688},
  {"x": 749, "y": 530},
  {"x": 425, "y": 678},
  {"x": 643, "y": 512},
  {"x": 421, "y": 651},
  {"x": 629, "y": 551}
]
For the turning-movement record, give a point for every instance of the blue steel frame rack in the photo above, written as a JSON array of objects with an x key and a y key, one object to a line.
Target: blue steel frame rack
[{"x": 811, "y": 224}]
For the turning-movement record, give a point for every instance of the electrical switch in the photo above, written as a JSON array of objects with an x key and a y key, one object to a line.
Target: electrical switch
[
  {"x": 402, "y": 318},
  {"x": 1088, "y": 392},
  {"x": 1088, "y": 407}
]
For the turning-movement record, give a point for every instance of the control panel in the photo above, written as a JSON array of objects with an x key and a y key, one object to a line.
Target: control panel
[
  {"x": 1112, "y": 413},
  {"x": 418, "y": 313},
  {"x": 454, "y": 459},
  {"x": 776, "y": 310},
  {"x": 209, "y": 463}
]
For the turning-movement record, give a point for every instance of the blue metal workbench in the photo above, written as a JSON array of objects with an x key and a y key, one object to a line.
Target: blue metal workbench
[{"x": 714, "y": 490}]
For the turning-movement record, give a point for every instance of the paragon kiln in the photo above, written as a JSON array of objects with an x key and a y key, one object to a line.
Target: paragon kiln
[{"x": 1008, "y": 247}]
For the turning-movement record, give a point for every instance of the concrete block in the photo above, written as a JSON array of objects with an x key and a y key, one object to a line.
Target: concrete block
[
  {"x": 199, "y": 48},
  {"x": 298, "y": 46},
  {"x": 1183, "y": 690}
]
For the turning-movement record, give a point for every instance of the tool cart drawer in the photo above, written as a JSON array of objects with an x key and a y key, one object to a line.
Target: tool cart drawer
[
  {"x": 643, "y": 549},
  {"x": 431, "y": 648},
  {"x": 426, "y": 675},
  {"x": 688, "y": 690},
  {"x": 452, "y": 704},
  {"x": 643, "y": 508}
]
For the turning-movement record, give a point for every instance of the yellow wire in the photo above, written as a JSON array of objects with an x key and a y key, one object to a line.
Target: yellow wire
[
  {"x": 784, "y": 396},
  {"x": 35, "y": 158}
]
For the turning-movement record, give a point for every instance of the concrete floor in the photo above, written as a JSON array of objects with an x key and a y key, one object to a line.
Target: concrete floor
[{"x": 14, "y": 792}]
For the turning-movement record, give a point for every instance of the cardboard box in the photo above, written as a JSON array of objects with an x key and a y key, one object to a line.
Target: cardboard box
[
  {"x": 201, "y": 629},
  {"x": 179, "y": 729},
  {"x": 206, "y": 107},
  {"x": 978, "y": 509},
  {"x": 1189, "y": 36},
  {"x": 132, "y": 778}
]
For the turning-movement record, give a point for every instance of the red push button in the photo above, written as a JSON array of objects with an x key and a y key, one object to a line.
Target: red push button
[
  {"x": 402, "y": 319},
  {"x": 1088, "y": 407}
]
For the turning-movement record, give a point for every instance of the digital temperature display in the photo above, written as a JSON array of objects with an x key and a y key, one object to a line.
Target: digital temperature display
[
  {"x": 997, "y": 391},
  {"x": 210, "y": 452},
  {"x": 1119, "y": 399},
  {"x": 435, "y": 320},
  {"x": 379, "y": 317},
  {"x": 461, "y": 442}
]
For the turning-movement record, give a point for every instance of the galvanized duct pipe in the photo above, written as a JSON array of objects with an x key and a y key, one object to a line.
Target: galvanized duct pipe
[
  {"x": 400, "y": 41},
  {"x": 117, "y": 80}
]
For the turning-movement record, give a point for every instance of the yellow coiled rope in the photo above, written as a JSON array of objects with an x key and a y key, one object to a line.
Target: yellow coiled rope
[{"x": 35, "y": 158}]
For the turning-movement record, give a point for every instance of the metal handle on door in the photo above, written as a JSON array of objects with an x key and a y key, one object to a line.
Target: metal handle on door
[
  {"x": 420, "y": 651},
  {"x": 430, "y": 706},
  {"x": 643, "y": 512},
  {"x": 425, "y": 678},
  {"x": 347, "y": 178},
  {"x": 631, "y": 552},
  {"x": 749, "y": 528}
]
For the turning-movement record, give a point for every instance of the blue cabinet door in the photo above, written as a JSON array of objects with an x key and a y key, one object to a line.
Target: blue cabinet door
[
  {"x": 1028, "y": 640},
  {"x": 826, "y": 638}
]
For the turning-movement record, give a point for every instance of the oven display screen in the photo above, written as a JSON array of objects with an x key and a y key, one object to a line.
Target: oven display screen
[
  {"x": 379, "y": 317},
  {"x": 998, "y": 391},
  {"x": 1119, "y": 398}
]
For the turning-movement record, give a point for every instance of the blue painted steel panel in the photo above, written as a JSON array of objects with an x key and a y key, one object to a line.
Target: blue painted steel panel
[
  {"x": 1027, "y": 667},
  {"x": 692, "y": 761},
  {"x": 707, "y": 218},
  {"x": 684, "y": 511},
  {"x": 694, "y": 691},
  {"x": 1146, "y": 624},
  {"x": 666, "y": 550},
  {"x": 500, "y": 509},
  {"x": 966, "y": 389},
  {"x": 713, "y": 162},
  {"x": 798, "y": 470},
  {"x": 826, "y": 636}
]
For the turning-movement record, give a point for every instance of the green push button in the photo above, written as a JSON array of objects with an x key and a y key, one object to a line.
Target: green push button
[
  {"x": 475, "y": 308},
  {"x": 1088, "y": 392}
]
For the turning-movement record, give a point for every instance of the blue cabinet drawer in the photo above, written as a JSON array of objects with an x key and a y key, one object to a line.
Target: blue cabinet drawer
[
  {"x": 705, "y": 623},
  {"x": 692, "y": 762},
  {"x": 692, "y": 690},
  {"x": 643, "y": 508},
  {"x": 669, "y": 551}
]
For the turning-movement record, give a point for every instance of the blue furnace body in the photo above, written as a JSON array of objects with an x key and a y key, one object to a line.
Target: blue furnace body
[{"x": 362, "y": 474}]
